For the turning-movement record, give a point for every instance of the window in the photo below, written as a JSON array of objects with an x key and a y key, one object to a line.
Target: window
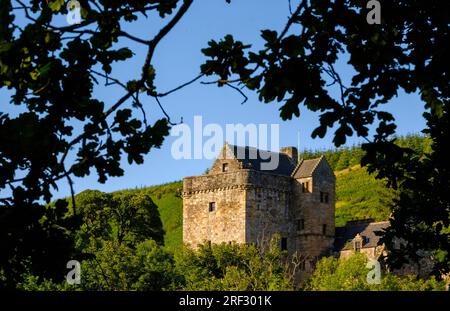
[
  {"x": 324, "y": 229},
  {"x": 305, "y": 187},
  {"x": 323, "y": 197},
  {"x": 303, "y": 265},
  {"x": 283, "y": 244},
  {"x": 357, "y": 246},
  {"x": 258, "y": 207},
  {"x": 225, "y": 167},
  {"x": 212, "y": 206},
  {"x": 300, "y": 224}
]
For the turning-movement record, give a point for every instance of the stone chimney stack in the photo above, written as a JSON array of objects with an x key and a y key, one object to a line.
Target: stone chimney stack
[{"x": 291, "y": 152}]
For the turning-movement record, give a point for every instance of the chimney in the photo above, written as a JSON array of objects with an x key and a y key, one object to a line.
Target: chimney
[{"x": 291, "y": 152}]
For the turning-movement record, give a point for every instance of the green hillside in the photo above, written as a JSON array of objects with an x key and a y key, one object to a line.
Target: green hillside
[
  {"x": 360, "y": 196},
  {"x": 170, "y": 206},
  {"x": 345, "y": 157}
]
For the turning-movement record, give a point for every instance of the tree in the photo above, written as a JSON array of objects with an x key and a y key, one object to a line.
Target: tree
[
  {"x": 94, "y": 207},
  {"x": 333, "y": 274},
  {"x": 344, "y": 159},
  {"x": 339, "y": 274},
  {"x": 421, "y": 214},
  {"x": 121, "y": 267},
  {"x": 40, "y": 238},
  {"x": 136, "y": 218},
  {"x": 124, "y": 217},
  {"x": 406, "y": 51},
  {"x": 51, "y": 71}
]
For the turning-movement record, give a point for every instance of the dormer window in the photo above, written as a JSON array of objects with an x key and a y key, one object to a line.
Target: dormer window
[
  {"x": 357, "y": 242},
  {"x": 305, "y": 187},
  {"x": 225, "y": 167}
]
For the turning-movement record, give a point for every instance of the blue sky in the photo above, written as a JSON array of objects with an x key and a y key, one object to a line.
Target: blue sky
[{"x": 177, "y": 60}]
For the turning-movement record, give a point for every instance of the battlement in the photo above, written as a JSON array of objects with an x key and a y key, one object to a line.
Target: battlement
[{"x": 243, "y": 178}]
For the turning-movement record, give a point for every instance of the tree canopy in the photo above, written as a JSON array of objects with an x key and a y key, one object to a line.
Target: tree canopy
[{"x": 126, "y": 218}]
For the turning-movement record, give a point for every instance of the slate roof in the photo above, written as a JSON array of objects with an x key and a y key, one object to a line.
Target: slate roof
[
  {"x": 286, "y": 165},
  {"x": 366, "y": 228},
  {"x": 306, "y": 167},
  {"x": 246, "y": 155}
]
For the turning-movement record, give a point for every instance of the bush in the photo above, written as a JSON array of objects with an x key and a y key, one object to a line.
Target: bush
[
  {"x": 120, "y": 267},
  {"x": 333, "y": 274},
  {"x": 232, "y": 267}
]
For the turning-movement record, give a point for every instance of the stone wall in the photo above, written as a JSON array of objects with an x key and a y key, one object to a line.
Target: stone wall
[
  {"x": 227, "y": 222},
  {"x": 311, "y": 242},
  {"x": 250, "y": 206},
  {"x": 267, "y": 207}
]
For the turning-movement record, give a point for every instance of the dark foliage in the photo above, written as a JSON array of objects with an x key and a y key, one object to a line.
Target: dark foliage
[{"x": 62, "y": 130}]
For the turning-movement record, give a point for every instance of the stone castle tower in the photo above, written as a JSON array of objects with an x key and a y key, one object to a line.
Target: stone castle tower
[{"x": 238, "y": 201}]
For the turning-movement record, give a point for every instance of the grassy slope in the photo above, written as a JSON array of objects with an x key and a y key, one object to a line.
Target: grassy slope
[
  {"x": 170, "y": 207},
  {"x": 359, "y": 196},
  {"x": 167, "y": 198}
]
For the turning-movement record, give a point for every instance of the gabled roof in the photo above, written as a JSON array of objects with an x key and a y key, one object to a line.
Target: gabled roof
[
  {"x": 366, "y": 229},
  {"x": 252, "y": 158},
  {"x": 306, "y": 168}
]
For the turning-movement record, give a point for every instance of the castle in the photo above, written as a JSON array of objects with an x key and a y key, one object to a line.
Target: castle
[
  {"x": 240, "y": 200},
  {"x": 237, "y": 200}
]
